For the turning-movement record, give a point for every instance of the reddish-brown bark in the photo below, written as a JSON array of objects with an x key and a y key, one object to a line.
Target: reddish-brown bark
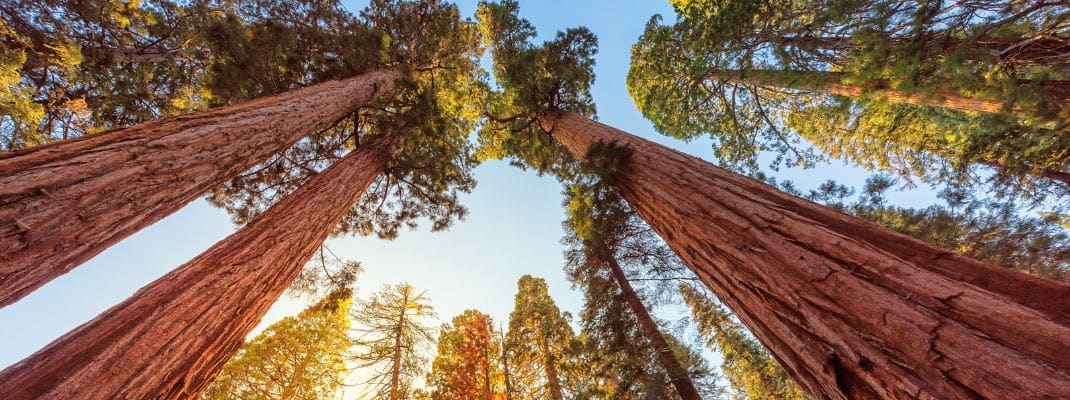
[
  {"x": 63, "y": 203},
  {"x": 1042, "y": 50},
  {"x": 851, "y": 310},
  {"x": 170, "y": 339},
  {"x": 677, "y": 372},
  {"x": 552, "y": 380},
  {"x": 831, "y": 83}
]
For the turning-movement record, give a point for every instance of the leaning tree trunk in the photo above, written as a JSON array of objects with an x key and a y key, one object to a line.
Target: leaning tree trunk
[
  {"x": 63, "y": 203},
  {"x": 831, "y": 83},
  {"x": 852, "y": 310},
  {"x": 677, "y": 372},
  {"x": 171, "y": 338}
]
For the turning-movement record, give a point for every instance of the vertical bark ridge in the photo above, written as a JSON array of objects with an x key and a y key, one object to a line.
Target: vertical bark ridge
[
  {"x": 677, "y": 372},
  {"x": 63, "y": 203},
  {"x": 170, "y": 339},
  {"x": 850, "y": 309}
]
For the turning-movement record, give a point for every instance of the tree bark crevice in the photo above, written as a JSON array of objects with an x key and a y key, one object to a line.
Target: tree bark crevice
[
  {"x": 65, "y": 202},
  {"x": 813, "y": 283},
  {"x": 170, "y": 339}
]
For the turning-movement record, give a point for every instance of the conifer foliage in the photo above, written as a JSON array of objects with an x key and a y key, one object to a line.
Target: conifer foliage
[
  {"x": 467, "y": 364},
  {"x": 300, "y": 357},
  {"x": 391, "y": 336},
  {"x": 955, "y": 94}
]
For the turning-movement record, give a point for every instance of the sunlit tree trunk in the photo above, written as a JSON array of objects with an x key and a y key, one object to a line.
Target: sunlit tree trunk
[
  {"x": 171, "y": 338},
  {"x": 850, "y": 309},
  {"x": 677, "y": 372},
  {"x": 832, "y": 83},
  {"x": 63, "y": 203},
  {"x": 506, "y": 374},
  {"x": 1038, "y": 49}
]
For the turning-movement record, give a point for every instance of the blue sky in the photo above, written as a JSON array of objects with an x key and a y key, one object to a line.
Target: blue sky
[{"x": 514, "y": 226}]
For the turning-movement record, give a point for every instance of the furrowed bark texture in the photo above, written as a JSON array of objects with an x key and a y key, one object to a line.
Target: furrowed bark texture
[
  {"x": 851, "y": 310},
  {"x": 677, "y": 373},
  {"x": 63, "y": 203},
  {"x": 170, "y": 339}
]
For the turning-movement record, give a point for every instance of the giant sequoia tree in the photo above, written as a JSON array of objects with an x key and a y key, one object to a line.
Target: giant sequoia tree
[
  {"x": 763, "y": 252},
  {"x": 63, "y": 203},
  {"x": 172, "y": 337},
  {"x": 144, "y": 173},
  {"x": 414, "y": 134},
  {"x": 895, "y": 77},
  {"x": 793, "y": 271}
]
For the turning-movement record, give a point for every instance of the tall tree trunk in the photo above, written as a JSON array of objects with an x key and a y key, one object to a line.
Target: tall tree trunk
[
  {"x": 850, "y": 309},
  {"x": 677, "y": 372},
  {"x": 831, "y": 83},
  {"x": 63, "y": 203},
  {"x": 552, "y": 381},
  {"x": 1054, "y": 175},
  {"x": 173, "y": 336},
  {"x": 488, "y": 393},
  {"x": 395, "y": 373},
  {"x": 506, "y": 376},
  {"x": 1035, "y": 50}
]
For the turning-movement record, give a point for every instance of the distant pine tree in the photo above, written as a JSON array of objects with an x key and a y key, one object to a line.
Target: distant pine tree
[{"x": 298, "y": 358}]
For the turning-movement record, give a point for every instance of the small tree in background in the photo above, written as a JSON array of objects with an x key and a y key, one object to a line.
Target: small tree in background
[
  {"x": 467, "y": 363},
  {"x": 299, "y": 358},
  {"x": 390, "y": 338}
]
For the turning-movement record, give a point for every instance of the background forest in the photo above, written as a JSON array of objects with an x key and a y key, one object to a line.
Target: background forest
[{"x": 485, "y": 264}]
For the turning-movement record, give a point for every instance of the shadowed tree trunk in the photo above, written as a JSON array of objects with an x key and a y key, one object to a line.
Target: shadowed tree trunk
[
  {"x": 832, "y": 83},
  {"x": 170, "y": 339},
  {"x": 850, "y": 309},
  {"x": 63, "y": 203},
  {"x": 676, "y": 371},
  {"x": 506, "y": 376},
  {"x": 552, "y": 380}
]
